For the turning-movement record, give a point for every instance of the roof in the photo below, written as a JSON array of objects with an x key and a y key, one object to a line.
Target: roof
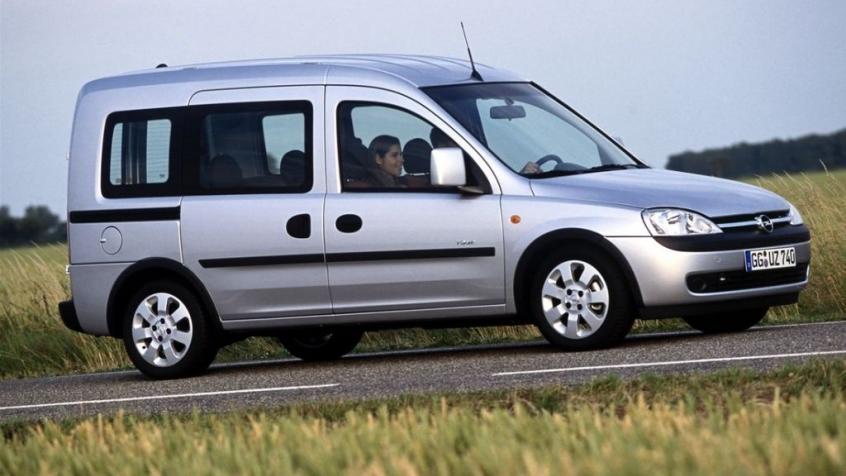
[{"x": 412, "y": 70}]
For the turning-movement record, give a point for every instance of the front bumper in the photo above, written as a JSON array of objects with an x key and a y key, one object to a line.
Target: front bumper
[
  {"x": 661, "y": 312},
  {"x": 662, "y": 273}
]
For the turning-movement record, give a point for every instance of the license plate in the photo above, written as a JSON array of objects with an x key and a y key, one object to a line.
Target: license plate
[{"x": 770, "y": 258}]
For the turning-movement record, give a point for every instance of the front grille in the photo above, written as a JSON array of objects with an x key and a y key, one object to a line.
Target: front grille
[
  {"x": 735, "y": 280},
  {"x": 746, "y": 222}
]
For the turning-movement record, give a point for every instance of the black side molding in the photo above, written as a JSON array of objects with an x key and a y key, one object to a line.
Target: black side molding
[
  {"x": 348, "y": 257},
  {"x": 123, "y": 215},
  {"x": 261, "y": 261},
  {"x": 411, "y": 254},
  {"x": 736, "y": 240},
  {"x": 68, "y": 314}
]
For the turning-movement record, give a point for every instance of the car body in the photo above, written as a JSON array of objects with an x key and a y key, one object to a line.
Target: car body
[{"x": 307, "y": 242}]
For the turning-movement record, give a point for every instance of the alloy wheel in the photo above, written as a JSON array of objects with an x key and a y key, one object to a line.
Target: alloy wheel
[
  {"x": 575, "y": 299},
  {"x": 162, "y": 329}
]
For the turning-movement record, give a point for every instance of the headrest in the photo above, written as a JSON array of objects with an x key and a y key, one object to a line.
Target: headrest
[
  {"x": 292, "y": 167},
  {"x": 439, "y": 139},
  {"x": 224, "y": 172},
  {"x": 417, "y": 155},
  {"x": 356, "y": 160}
]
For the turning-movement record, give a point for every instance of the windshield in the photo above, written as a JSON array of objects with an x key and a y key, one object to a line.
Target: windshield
[{"x": 529, "y": 131}]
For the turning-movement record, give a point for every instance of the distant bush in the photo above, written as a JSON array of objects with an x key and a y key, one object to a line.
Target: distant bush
[
  {"x": 809, "y": 153},
  {"x": 37, "y": 225}
]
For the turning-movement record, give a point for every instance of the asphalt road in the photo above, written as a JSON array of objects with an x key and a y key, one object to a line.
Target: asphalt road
[{"x": 361, "y": 376}]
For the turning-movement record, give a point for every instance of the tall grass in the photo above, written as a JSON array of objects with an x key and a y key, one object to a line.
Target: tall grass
[
  {"x": 787, "y": 422},
  {"x": 32, "y": 281},
  {"x": 820, "y": 197},
  {"x": 33, "y": 340}
]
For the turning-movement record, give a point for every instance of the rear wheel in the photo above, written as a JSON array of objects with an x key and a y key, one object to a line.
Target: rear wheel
[
  {"x": 165, "y": 332},
  {"x": 579, "y": 300},
  {"x": 735, "y": 321},
  {"x": 321, "y": 344}
]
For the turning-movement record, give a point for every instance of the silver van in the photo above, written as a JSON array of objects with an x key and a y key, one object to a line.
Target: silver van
[{"x": 316, "y": 198}]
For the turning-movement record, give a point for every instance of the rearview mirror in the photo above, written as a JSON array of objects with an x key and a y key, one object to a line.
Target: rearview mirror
[
  {"x": 509, "y": 111},
  {"x": 447, "y": 167}
]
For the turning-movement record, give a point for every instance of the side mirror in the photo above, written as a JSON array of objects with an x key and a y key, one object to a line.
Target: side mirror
[{"x": 447, "y": 167}]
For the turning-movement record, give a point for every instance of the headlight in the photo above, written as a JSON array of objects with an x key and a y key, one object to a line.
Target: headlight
[
  {"x": 674, "y": 222},
  {"x": 795, "y": 216}
]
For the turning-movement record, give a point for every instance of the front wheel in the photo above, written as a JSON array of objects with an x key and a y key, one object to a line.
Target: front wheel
[
  {"x": 579, "y": 300},
  {"x": 165, "y": 332},
  {"x": 735, "y": 321},
  {"x": 321, "y": 344}
]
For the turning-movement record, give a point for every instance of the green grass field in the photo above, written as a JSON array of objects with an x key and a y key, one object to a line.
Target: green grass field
[
  {"x": 32, "y": 282},
  {"x": 790, "y": 421}
]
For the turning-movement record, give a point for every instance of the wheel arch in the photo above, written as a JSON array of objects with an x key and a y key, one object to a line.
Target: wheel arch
[
  {"x": 147, "y": 270},
  {"x": 535, "y": 252}
]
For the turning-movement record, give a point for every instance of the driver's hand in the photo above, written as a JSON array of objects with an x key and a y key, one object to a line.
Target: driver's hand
[{"x": 530, "y": 168}]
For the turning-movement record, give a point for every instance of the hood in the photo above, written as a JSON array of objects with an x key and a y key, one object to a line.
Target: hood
[{"x": 651, "y": 188}]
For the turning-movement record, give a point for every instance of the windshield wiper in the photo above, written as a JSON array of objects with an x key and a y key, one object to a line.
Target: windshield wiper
[
  {"x": 598, "y": 168},
  {"x": 553, "y": 173},
  {"x": 603, "y": 168}
]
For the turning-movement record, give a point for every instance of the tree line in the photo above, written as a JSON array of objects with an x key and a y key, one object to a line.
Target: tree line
[
  {"x": 37, "y": 225},
  {"x": 808, "y": 153}
]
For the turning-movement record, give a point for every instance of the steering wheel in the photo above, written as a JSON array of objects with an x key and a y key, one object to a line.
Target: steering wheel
[
  {"x": 549, "y": 158},
  {"x": 559, "y": 164}
]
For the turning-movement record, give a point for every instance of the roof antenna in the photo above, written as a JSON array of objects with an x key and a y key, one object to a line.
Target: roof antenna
[{"x": 475, "y": 74}]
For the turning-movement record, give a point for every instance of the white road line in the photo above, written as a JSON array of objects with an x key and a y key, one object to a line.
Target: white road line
[
  {"x": 670, "y": 362},
  {"x": 163, "y": 397},
  {"x": 763, "y": 327},
  {"x": 800, "y": 324}
]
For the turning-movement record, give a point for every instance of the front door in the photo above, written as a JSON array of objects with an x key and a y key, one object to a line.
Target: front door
[
  {"x": 393, "y": 241},
  {"x": 253, "y": 211}
]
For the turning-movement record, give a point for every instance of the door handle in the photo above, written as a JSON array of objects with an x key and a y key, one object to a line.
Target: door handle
[
  {"x": 299, "y": 226},
  {"x": 348, "y": 223}
]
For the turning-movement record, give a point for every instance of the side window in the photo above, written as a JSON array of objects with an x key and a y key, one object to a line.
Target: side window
[
  {"x": 138, "y": 154},
  {"x": 385, "y": 148},
  {"x": 251, "y": 148}
]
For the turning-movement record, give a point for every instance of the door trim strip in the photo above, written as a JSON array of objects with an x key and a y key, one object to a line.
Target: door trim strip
[
  {"x": 124, "y": 215},
  {"x": 261, "y": 261},
  {"x": 349, "y": 257},
  {"x": 411, "y": 254}
]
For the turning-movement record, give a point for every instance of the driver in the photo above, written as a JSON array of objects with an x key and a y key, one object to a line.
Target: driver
[{"x": 386, "y": 157}]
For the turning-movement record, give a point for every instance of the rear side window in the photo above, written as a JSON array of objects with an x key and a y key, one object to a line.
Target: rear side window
[
  {"x": 250, "y": 148},
  {"x": 138, "y": 154}
]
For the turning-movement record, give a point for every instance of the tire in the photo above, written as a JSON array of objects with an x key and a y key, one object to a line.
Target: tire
[
  {"x": 172, "y": 341},
  {"x": 735, "y": 321},
  {"x": 321, "y": 344},
  {"x": 600, "y": 311}
]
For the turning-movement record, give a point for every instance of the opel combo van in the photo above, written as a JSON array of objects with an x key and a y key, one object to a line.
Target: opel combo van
[{"x": 316, "y": 198}]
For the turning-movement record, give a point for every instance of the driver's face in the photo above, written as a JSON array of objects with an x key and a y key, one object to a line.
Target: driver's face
[{"x": 392, "y": 161}]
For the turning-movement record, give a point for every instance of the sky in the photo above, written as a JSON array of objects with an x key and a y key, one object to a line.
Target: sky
[{"x": 664, "y": 75}]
